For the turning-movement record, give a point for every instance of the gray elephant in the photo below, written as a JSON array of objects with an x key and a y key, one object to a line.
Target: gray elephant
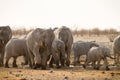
[
  {"x": 5, "y": 36},
  {"x": 66, "y": 36},
  {"x": 96, "y": 54},
  {"x": 116, "y": 49},
  {"x": 15, "y": 48},
  {"x": 58, "y": 53},
  {"x": 81, "y": 48},
  {"x": 38, "y": 41}
]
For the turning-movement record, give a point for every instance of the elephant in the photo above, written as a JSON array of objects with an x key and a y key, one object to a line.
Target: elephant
[
  {"x": 58, "y": 53},
  {"x": 96, "y": 54},
  {"x": 15, "y": 48},
  {"x": 66, "y": 36},
  {"x": 116, "y": 49},
  {"x": 5, "y": 36},
  {"x": 81, "y": 48},
  {"x": 38, "y": 42}
]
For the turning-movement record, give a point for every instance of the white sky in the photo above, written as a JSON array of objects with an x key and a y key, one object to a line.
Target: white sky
[{"x": 78, "y": 14}]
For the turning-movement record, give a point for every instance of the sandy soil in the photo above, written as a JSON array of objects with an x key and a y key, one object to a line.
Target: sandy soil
[{"x": 75, "y": 73}]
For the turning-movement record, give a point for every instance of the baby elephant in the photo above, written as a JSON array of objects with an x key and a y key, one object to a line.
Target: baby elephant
[
  {"x": 58, "y": 53},
  {"x": 15, "y": 48},
  {"x": 96, "y": 54},
  {"x": 81, "y": 48}
]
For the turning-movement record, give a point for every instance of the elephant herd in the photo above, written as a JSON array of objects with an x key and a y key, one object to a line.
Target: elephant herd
[{"x": 40, "y": 46}]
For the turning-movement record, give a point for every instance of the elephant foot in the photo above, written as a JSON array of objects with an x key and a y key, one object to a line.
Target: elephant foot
[
  {"x": 97, "y": 68},
  {"x": 84, "y": 66},
  {"x": 1, "y": 65},
  {"x": 43, "y": 67},
  {"x": 107, "y": 68},
  {"x": 58, "y": 67},
  {"x": 62, "y": 65},
  {"x": 30, "y": 66},
  {"x": 36, "y": 66},
  {"x": 94, "y": 67},
  {"x": 6, "y": 66},
  {"x": 74, "y": 64},
  {"x": 78, "y": 62},
  {"x": 51, "y": 66},
  {"x": 15, "y": 65},
  {"x": 26, "y": 63},
  {"x": 68, "y": 63}
]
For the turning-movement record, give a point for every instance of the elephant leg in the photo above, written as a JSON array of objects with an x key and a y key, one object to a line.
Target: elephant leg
[
  {"x": 93, "y": 64},
  {"x": 2, "y": 56},
  {"x": 106, "y": 63},
  {"x": 115, "y": 60},
  {"x": 6, "y": 62},
  {"x": 51, "y": 62},
  {"x": 62, "y": 60},
  {"x": 37, "y": 58},
  {"x": 1, "y": 62},
  {"x": 86, "y": 63},
  {"x": 26, "y": 60},
  {"x": 78, "y": 59},
  {"x": 118, "y": 60},
  {"x": 74, "y": 62},
  {"x": 98, "y": 64},
  {"x": 62, "y": 57},
  {"x": 75, "y": 59},
  {"x": 68, "y": 57},
  {"x": 56, "y": 58},
  {"x": 44, "y": 62},
  {"x": 14, "y": 62},
  {"x": 30, "y": 59}
]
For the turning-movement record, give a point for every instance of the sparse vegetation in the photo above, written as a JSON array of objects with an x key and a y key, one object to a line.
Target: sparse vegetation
[
  {"x": 95, "y": 31},
  {"x": 20, "y": 31}
]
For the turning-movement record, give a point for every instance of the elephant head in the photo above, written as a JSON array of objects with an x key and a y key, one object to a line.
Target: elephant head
[
  {"x": 64, "y": 34},
  {"x": 48, "y": 37},
  {"x": 92, "y": 44},
  {"x": 5, "y": 34},
  {"x": 106, "y": 53}
]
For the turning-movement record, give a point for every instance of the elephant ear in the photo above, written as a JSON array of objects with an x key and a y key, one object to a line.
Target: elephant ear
[
  {"x": 107, "y": 52},
  {"x": 91, "y": 45}
]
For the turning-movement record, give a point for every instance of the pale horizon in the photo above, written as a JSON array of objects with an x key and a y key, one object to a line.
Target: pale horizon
[{"x": 75, "y": 14}]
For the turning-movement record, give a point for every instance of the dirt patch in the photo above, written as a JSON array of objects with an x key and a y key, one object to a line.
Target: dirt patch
[{"x": 76, "y": 73}]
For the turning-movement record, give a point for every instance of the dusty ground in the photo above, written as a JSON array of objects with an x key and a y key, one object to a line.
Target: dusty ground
[
  {"x": 71, "y": 73},
  {"x": 76, "y": 73},
  {"x": 68, "y": 73}
]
